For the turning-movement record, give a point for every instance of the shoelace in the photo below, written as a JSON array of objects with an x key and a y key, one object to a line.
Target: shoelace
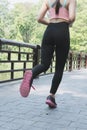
[{"x": 33, "y": 87}]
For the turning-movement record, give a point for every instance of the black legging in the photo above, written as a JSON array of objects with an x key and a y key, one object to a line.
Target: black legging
[{"x": 55, "y": 37}]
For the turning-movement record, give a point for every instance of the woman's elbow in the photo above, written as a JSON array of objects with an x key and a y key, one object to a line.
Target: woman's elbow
[
  {"x": 71, "y": 19},
  {"x": 39, "y": 20}
]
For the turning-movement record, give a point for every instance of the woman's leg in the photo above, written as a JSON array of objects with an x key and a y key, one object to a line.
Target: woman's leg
[
  {"x": 62, "y": 42},
  {"x": 46, "y": 56},
  {"x": 61, "y": 56},
  {"x": 47, "y": 50}
]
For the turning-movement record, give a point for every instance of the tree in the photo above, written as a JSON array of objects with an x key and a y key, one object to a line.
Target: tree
[
  {"x": 20, "y": 23},
  {"x": 78, "y": 32},
  {"x": 3, "y": 16}
]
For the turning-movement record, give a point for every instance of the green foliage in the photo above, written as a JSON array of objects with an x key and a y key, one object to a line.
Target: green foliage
[
  {"x": 23, "y": 21},
  {"x": 79, "y": 30},
  {"x": 3, "y": 16},
  {"x": 20, "y": 23}
]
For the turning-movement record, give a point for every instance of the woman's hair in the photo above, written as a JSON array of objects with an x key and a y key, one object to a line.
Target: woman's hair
[{"x": 58, "y": 5}]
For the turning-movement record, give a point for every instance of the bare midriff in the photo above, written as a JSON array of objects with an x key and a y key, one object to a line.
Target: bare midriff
[{"x": 58, "y": 20}]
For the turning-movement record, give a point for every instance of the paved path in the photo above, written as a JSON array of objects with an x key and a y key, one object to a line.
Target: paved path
[{"x": 17, "y": 113}]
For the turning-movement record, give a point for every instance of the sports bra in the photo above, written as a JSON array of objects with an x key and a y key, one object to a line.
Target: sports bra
[{"x": 63, "y": 12}]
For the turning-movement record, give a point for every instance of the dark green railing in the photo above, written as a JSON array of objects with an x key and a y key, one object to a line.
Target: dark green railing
[{"x": 16, "y": 57}]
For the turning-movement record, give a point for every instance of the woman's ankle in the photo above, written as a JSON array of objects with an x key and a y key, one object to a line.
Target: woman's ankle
[{"x": 53, "y": 95}]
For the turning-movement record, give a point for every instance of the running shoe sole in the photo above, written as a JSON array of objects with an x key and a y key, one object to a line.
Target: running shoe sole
[
  {"x": 51, "y": 104},
  {"x": 26, "y": 84}
]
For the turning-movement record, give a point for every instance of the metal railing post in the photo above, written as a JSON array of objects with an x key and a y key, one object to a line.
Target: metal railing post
[
  {"x": 85, "y": 61},
  {"x": 36, "y": 55},
  {"x": 79, "y": 60},
  {"x": 70, "y": 61}
]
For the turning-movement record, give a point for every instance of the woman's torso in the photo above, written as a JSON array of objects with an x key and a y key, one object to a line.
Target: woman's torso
[{"x": 63, "y": 14}]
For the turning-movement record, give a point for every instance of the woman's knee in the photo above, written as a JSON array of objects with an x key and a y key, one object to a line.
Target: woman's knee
[{"x": 46, "y": 67}]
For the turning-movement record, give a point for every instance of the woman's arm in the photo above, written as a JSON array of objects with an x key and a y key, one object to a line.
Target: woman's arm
[
  {"x": 42, "y": 13},
  {"x": 72, "y": 11}
]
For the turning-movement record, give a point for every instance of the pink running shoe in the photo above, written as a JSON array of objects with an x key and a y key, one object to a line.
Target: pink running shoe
[
  {"x": 26, "y": 84},
  {"x": 50, "y": 101}
]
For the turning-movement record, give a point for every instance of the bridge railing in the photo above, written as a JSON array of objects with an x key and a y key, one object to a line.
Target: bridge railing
[
  {"x": 16, "y": 57},
  {"x": 76, "y": 60}
]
